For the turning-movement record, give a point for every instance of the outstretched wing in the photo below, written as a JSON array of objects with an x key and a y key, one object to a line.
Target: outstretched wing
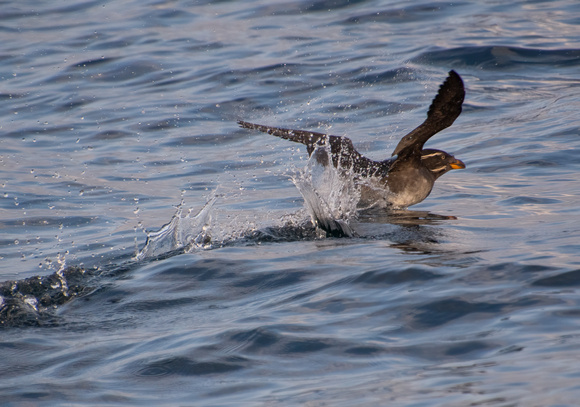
[
  {"x": 310, "y": 139},
  {"x": 443, "y": 111},
  {"x": 341, "y": 148}
]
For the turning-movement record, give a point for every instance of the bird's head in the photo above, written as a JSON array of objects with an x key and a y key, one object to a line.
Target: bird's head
[{"x": 439, "y": 162}]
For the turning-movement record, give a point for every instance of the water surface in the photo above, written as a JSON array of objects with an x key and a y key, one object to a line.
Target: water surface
[{"x": 113, "y": 113}]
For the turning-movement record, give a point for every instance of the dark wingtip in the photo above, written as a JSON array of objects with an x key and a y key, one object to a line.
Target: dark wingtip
[
  {"x": 253, "y": 126},
  {"x": 452, "y": 86},
  {"x": 444, "y": 109},
  {"x": 446, "y": 106},
  {"x": 454, "y": 74}
]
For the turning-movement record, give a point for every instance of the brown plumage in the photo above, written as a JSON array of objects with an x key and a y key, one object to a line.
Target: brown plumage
[{"x": 407, "y": 177}]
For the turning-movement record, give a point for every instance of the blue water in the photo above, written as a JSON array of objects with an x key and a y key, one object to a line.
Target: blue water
[{"x": 112, "y": 114}]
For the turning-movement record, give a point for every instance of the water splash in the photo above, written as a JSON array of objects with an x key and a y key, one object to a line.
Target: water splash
[
  {"x": 330, "y": 197},
  {"x": 31, "y": 301},
  {"x": 330, "y": 194},
  {"x": 182, "y": 232}
]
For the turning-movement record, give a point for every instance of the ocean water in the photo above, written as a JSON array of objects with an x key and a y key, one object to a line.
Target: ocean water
[{"x": 116, "y": 116}]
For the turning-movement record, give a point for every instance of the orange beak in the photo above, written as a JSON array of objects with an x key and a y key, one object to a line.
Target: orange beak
[{"x": 457, "y": 164}]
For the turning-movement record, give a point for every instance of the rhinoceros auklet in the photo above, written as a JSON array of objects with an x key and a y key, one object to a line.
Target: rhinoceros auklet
[{"x": 408, "y": 176}]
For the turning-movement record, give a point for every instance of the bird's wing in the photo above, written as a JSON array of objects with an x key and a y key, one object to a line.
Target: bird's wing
[
  {"x": 310, "y": 139},
  {"x": 443, "y": 111},
  {"x": 341, "y": 148}
]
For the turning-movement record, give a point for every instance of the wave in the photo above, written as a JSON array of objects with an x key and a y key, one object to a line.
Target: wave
[
  {"x": 499, "y": 57},
  {"x": 331, "y": 197}
]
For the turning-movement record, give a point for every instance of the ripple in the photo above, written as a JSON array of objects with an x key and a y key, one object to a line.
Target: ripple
[
  {"x": 500, "y": 57},
  {"x": 567, "y": 279},
  {"x": 409, "y": 13},
  {"x": 183, "y": 366},
  {"x": 389, "y": 277},
  {"x": 528, "y": 200},
  {"x": 443, "y": 311}
]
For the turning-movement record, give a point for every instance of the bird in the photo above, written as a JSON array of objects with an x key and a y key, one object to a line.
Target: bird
[{"x": 407, "y": 177}]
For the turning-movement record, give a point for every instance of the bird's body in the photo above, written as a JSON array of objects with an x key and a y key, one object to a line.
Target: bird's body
[{"x": 407, "y": 177}]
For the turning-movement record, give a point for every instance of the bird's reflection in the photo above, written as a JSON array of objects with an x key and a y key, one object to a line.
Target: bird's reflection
[{"x": 402, "y": 217}]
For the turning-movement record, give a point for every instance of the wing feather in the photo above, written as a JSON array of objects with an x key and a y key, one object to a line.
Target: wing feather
[
  {"x": 444, "y": 109},
  {"x": 343, "y": 152}
]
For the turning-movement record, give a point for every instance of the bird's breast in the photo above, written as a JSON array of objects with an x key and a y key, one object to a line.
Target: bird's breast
[{"x": 398, "y": 189}]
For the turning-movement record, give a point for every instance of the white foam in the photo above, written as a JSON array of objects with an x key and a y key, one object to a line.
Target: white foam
[
  {"x": 182, "y": 232},
  {"x": 330, "y": 194}
]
